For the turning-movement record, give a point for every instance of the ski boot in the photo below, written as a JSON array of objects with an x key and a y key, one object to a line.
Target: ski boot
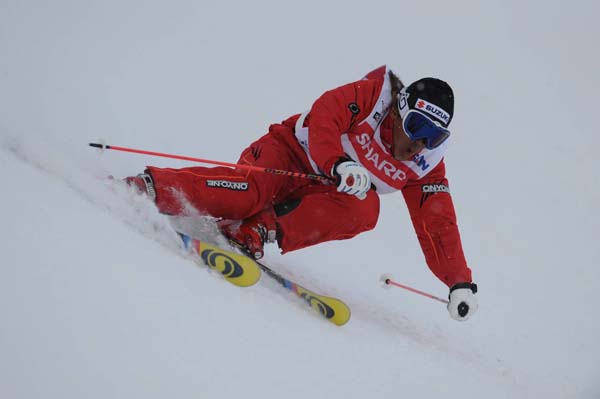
[
  {"x": 142, "y": 184},
  {"x": 251, "y": 234}
]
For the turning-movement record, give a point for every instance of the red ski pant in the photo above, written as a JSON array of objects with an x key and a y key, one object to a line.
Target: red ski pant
[{"x": 308, "y": 212}]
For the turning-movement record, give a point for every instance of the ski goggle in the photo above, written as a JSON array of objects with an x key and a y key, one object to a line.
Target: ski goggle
[{"x": 418, "y": 127}]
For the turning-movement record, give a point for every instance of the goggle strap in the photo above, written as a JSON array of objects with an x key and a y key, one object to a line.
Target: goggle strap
[{"x": 403, "y": 107}]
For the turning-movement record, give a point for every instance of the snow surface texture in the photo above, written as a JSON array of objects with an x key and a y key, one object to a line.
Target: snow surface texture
[{"x": 96, "y": 299}]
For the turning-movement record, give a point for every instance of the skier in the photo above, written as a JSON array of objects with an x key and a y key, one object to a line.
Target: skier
[{"x": 374, "y": 136}]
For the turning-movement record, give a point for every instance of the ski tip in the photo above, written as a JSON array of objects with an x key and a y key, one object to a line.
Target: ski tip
[
  {"x": 342, "y": 319},
  {"x": 333, "y": 309},
  {"x": 341, "y": 313}
]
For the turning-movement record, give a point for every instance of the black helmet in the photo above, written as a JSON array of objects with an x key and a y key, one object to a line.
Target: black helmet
[{"x": 430, "y": 96}]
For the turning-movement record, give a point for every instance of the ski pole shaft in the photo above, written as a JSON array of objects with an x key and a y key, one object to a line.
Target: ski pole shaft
[
  {"x": 389, "y": 281},
  {"x": 232, "y": 165}
]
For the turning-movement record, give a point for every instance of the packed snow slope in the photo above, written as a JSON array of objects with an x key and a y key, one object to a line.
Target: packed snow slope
[{"x": 97, "y": 299}]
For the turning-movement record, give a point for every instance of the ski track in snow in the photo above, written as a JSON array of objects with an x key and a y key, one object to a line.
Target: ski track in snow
[{"x": 110, "y": 196}]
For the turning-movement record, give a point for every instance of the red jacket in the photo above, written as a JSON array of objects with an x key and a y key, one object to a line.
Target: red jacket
[{"x": 353, "y": 120}]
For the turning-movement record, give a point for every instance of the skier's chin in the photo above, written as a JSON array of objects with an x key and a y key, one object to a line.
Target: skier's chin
[{"x": 404, "y": 156}]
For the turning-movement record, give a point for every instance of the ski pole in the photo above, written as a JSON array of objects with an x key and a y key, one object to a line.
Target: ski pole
[
  {"x": 232, "y": 165},
  {"x": 386, "y": 281}
]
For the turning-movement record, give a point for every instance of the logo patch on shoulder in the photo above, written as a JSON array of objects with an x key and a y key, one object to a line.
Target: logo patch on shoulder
[{"x": 230, "y": 185}]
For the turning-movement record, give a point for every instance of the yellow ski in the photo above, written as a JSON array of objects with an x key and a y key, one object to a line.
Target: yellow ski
[
  {"x": 332, "y": 309},
  {"x": 244, "y": 271},
  {"x": 237, "y": 269}
]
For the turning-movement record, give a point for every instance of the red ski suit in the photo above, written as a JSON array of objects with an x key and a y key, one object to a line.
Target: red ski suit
[{"x": 341, "y": 123}]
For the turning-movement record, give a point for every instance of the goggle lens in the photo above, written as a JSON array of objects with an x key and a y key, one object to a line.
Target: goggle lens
[{"x": 418, "y": 126}]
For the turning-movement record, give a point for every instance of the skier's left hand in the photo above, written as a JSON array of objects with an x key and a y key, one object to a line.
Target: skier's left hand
[{"x": 462, "y": 301}]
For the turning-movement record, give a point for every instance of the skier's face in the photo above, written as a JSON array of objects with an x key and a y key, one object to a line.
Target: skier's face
[{"x": 403, "y": 148}]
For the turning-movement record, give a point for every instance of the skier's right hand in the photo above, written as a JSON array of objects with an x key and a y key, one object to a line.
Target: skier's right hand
[{"x": 351, "y": 178}]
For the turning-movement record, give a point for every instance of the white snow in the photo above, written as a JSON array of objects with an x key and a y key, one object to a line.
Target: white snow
[{"x": 97, "y": 301}]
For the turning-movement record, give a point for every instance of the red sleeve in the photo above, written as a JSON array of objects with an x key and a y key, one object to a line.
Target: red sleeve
[
  {"x": 432, "y": 213},
  {"x": 334, "y": 113}
]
